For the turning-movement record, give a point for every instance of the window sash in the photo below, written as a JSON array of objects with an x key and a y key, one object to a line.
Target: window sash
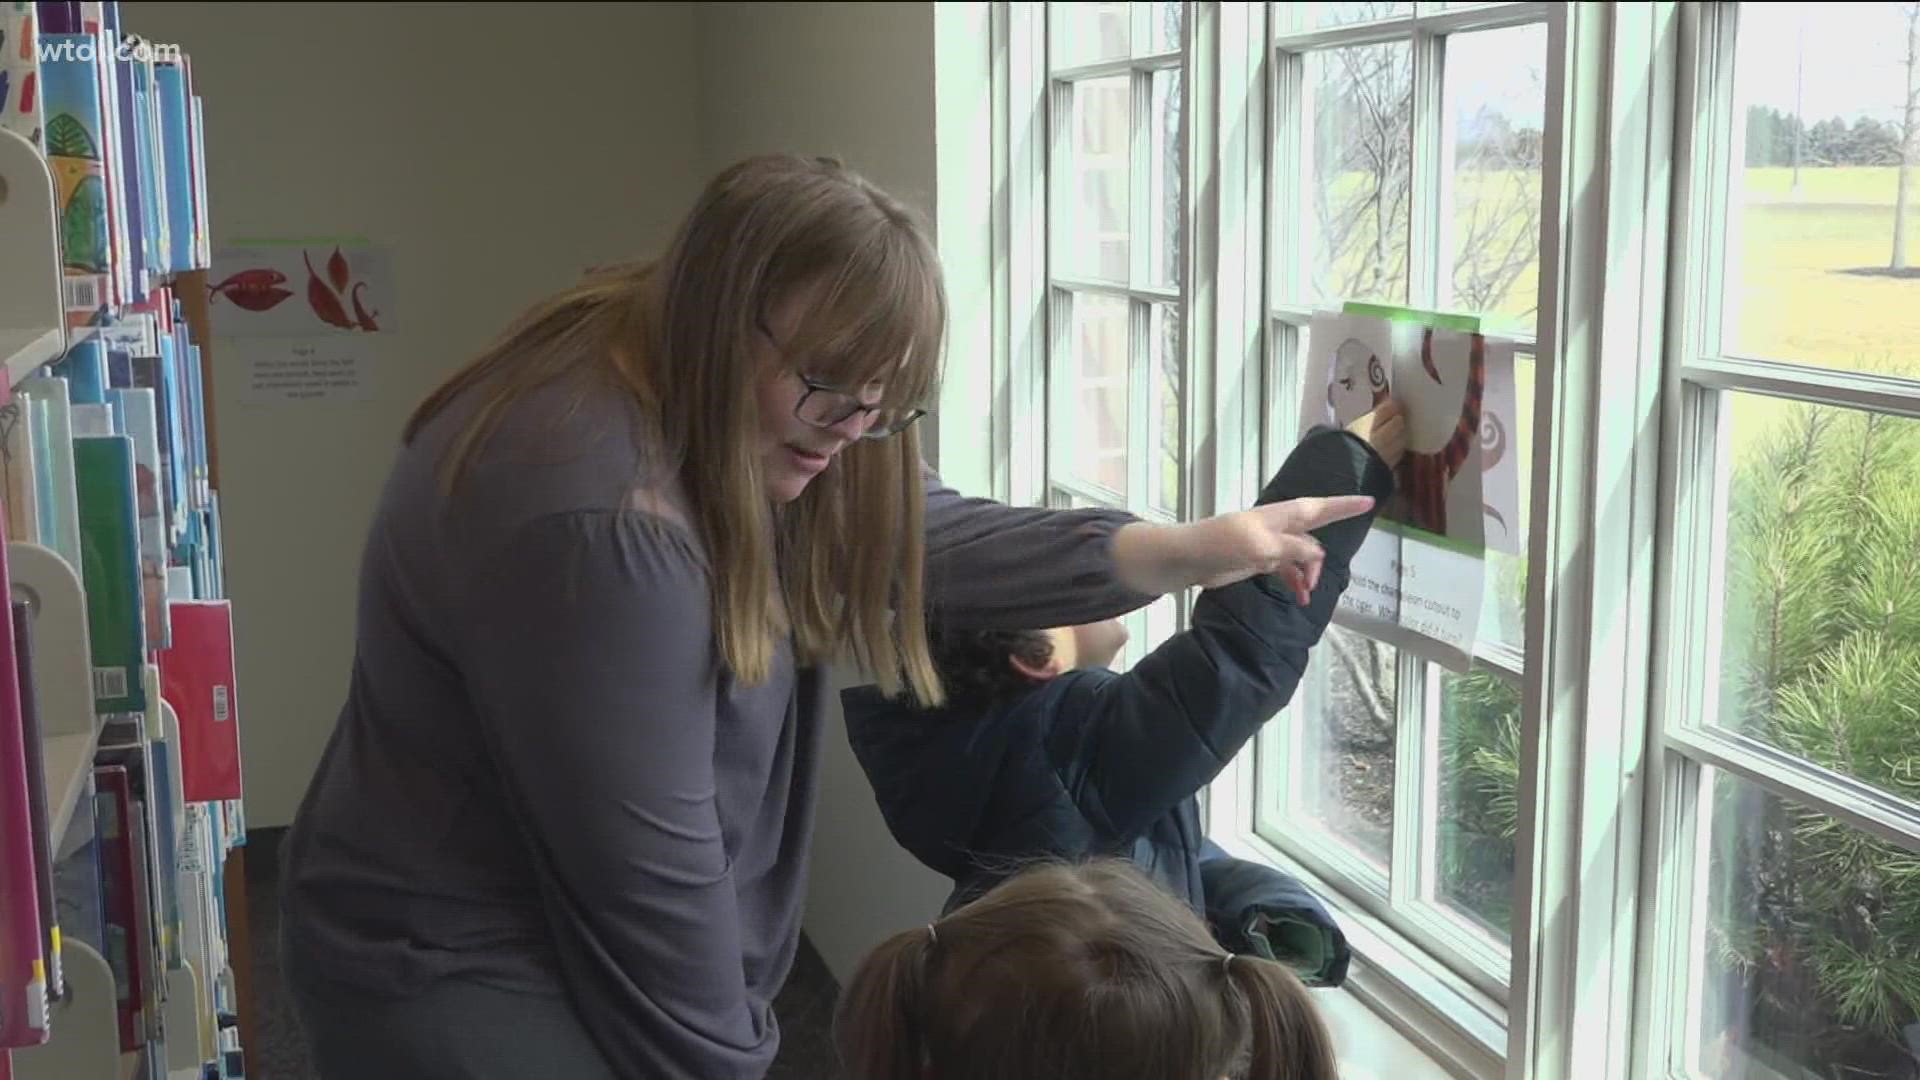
[
  {"x": 1409, "y": 907},
  {"x": 1692, "y": 552}
]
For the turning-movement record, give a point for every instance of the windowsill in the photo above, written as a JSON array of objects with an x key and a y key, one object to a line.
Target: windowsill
[{"x": 1400, "y": 1014}]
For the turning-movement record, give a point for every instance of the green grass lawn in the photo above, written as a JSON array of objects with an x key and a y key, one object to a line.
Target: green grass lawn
[{"x": 1793, "y": 287}]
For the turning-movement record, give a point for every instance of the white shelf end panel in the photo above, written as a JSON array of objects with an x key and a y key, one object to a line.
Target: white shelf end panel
[{"x": 33, "y": 317}]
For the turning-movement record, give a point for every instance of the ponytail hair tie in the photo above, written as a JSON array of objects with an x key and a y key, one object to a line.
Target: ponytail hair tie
[
  {"x": 933, "y": 939},
  {"x": 1226, "y": 965}
]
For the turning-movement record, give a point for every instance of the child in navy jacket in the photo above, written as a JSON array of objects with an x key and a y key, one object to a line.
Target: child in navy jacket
[{"x": 1043, "y": 752}]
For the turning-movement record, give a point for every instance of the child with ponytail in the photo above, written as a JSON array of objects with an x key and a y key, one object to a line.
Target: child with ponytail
[{"x": 1076, "y": 972}]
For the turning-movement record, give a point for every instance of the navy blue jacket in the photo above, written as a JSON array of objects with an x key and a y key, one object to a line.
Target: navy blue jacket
[{"x": 1097, "y": 763}]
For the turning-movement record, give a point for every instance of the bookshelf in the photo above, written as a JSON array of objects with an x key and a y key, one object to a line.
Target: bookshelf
[{"x": 121, "y": 826}]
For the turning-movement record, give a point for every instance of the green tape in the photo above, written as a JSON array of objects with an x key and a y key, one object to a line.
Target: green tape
[
  {"x": 1432, "y": 539},
  {"x": 1439, "y": 320}
]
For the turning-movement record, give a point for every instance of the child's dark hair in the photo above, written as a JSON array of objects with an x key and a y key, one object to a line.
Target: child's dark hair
[
  {"x": 1076, "y": 972},
  {"x": 973, "y": 664}
]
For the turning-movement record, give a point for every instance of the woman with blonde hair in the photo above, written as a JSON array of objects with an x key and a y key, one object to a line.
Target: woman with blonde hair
[{"x": 561, "y": 827}]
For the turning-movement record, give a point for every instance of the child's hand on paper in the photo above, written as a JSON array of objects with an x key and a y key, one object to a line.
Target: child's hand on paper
[{"x": 1385, "y": 429}]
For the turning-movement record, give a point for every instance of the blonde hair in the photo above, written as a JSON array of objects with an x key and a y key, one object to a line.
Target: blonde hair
[
  {"x": 1076, "y": 972},
  {"x": 834, "y": 565}
]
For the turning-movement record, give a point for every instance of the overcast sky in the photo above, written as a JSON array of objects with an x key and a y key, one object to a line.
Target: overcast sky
[{"x": 1854, "y": 54}]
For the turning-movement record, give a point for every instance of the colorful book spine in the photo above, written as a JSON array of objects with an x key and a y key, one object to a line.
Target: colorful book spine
[
  {"x": 19, "y": 72},
  {"x": 110, "y": 570},
  {"x": 134, "y": 410},
  {"x": 197, "y": 679},
  {"x": 85, "y": 369},
  {"x": 42, "y": 821},
  {"x": 120, "y": 906},
  {"x": 60, "y": 519},
  {"x": 23, "y": 960},
  {"x": 177, "y": 159},
  {"x": 76, "y": 149},
  {"x": 147, "y": 103},
  {"x": 77, "y": 888}
]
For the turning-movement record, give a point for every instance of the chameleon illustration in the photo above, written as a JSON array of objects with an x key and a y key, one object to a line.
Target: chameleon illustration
[{"x": 1425, "y": 475}]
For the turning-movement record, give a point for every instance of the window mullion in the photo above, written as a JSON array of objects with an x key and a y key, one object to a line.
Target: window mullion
[
  {"x": 1424, "y": 270},
  {"x": 1582, "y": 780},
  {"x": 1031, "y": 133},
  {"x": 1412, "y": 825},
  {"x": 1694, "y": 444},
  {"x": 1140, "y": 418}
]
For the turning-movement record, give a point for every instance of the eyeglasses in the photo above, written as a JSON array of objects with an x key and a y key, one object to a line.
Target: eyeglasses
[{"x": 826, "y": 406}]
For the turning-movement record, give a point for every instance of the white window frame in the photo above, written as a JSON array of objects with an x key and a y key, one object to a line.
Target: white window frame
[
  {"x": 1701, "y": 371},
  {"x": 1393, "y": 899},
  {"x": 1570, "y": 1000},
  {"x": 1040, "y": 293}
]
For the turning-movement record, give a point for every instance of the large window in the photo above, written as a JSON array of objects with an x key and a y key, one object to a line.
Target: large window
[
  {"x": 1667, "y": 821},
  {"x": 1116, "y": 278},
  {"x": 1405, "y": 167},
  {"x": 1790, "y": 928}
]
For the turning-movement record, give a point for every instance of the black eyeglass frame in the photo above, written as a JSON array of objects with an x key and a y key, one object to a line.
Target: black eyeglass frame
[{"x": 853, "y": 407}]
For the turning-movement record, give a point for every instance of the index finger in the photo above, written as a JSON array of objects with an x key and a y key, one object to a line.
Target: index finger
[{"x": 1305, "y": 515}]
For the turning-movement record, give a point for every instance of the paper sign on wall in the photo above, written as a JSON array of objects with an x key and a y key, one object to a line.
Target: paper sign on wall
[
  {"x": 1419, "y": 579},
  {"x": 332, "y": 368},
  {"x": 301, "y": 288}
]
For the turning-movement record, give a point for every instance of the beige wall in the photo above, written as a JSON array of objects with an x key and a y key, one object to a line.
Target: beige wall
[
  {"x": 856, "y": 81},
  {"x": 444, "y": 131}
]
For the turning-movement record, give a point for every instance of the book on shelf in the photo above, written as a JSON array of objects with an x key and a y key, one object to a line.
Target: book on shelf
[
  {"x": 19, "y": 71},
  {"x": 104, "y": 461},
  {"x": 23, "y": 960}
]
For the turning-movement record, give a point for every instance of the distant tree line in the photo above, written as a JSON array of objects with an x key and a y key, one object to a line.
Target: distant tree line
[{"x": 1771, "y": 134}]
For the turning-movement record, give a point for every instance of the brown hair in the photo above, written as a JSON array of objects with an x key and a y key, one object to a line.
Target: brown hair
[
  {"x": 1076, "y": 972},
  {"x": 834, "y": 564},
  {"x": 976, "y": 666}
]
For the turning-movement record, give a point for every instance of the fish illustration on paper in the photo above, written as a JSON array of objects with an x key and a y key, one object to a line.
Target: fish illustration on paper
[
  {"x": 255, "y": 290},
  {"x": 306, "y": 287}
]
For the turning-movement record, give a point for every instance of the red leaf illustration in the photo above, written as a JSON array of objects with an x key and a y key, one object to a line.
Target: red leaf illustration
[
  {"x": 259, "y": 299},
  {"x": 250, "y": 289},
  {"x": 324, "y": 303},
  {"x": 360, "y": 313},
  {"x": 337, "y": 271}
]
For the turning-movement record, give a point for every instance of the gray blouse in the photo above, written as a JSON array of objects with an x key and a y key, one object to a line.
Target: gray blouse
[{"x": 543, "y": 779}]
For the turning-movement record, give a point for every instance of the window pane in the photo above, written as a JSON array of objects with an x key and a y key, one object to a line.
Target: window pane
[
  {"x": 1088, "y": 33},
  {"x": 1810, "y": 958},
  {"x": 1346, "y": 774},
  {"x": 1093, "y": 238},
  {"x": 1166, "y": 187},
  {"x": 1816, "y": 270},
  {"x": 1479, "y": 776},
  {"x": 1346, "y": 14},
  {"x": 1165, "y": 408},
  {"x": 1094, "y": 443},
  {"x": 1822, "y": 620},
  {"x": 1496, "y": 98},
  {"x": 1166, "y": 25},
  {"x": 1360, "y": 180}
]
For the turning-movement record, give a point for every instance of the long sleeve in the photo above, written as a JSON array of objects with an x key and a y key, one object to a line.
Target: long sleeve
[
  {"x": 995, "y": 566},
  {"x": 591, "y": 666},
  {"x": 1259, "y": 910},
  {"x": 1137, "y": 744}
]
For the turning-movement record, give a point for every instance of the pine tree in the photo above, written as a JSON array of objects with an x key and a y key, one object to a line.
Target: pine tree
[{"x": 1818, "y": 921}]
